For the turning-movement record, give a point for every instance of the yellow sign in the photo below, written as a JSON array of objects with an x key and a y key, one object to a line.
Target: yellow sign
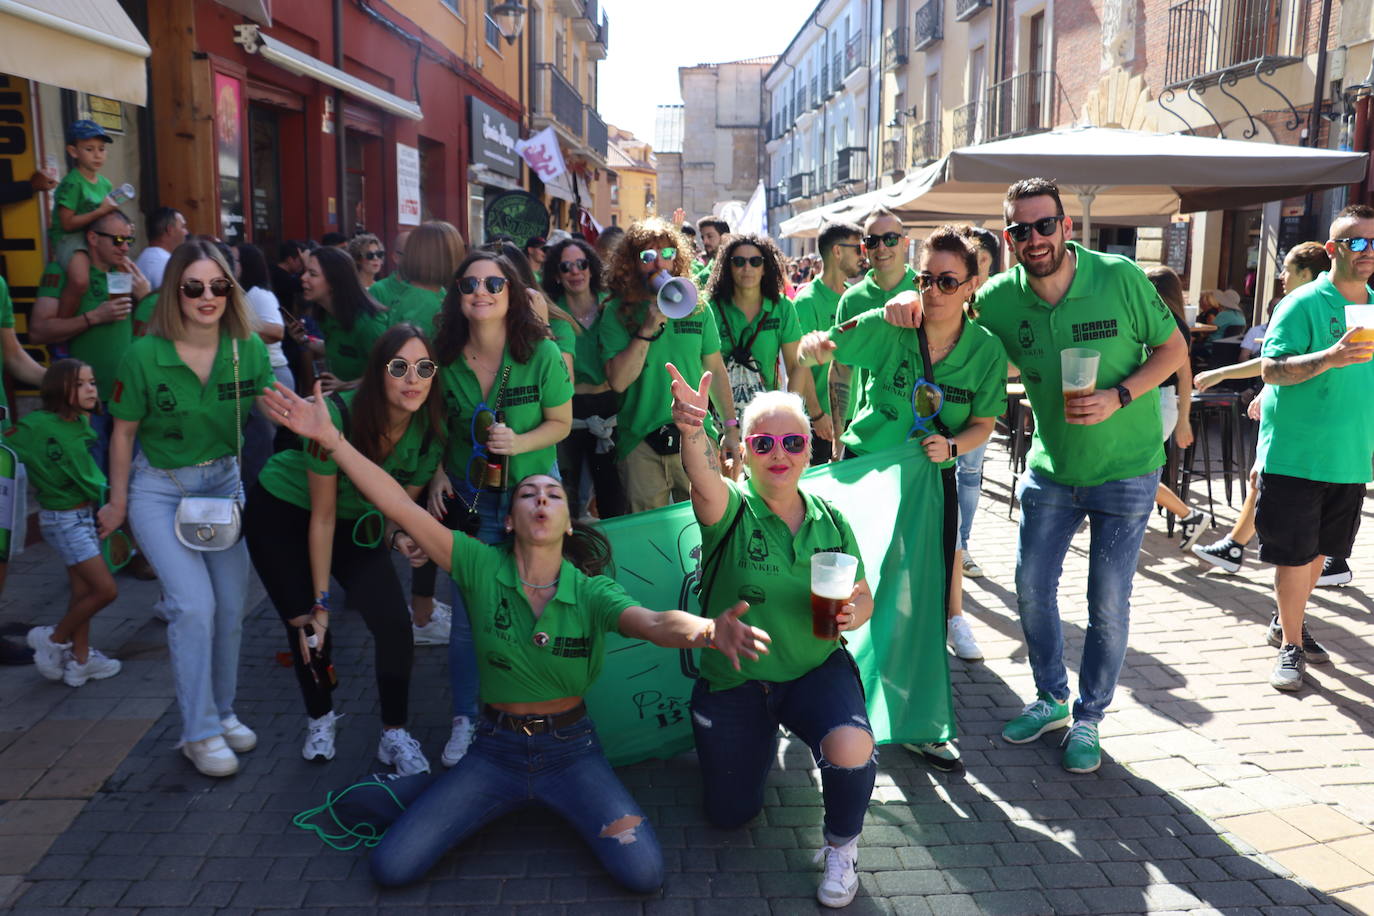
[
  {"x": 21, "y": 224},
  {"x": 108, "y": 113}
]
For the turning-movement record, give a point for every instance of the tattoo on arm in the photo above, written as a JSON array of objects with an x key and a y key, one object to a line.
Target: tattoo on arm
[
  {"x": 709, "y": 447},
  {"x": 1291, "y": 370}
]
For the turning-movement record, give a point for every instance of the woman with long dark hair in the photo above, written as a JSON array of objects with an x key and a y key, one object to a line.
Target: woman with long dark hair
[
  {"x": 349, "y": 318},
  {"x": 572, "y": 283},
  {"x": 507, "y": 395}
]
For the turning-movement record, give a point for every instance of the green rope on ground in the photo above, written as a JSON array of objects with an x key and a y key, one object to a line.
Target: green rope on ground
[{"x": 361, "y": 834}]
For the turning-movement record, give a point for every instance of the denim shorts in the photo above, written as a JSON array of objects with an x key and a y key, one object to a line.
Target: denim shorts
[{"x": 71, "y": 532}]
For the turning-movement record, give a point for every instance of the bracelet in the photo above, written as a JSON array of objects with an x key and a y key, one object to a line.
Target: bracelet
[
  {"x": 392, "y": 544},
  {"x": 818, "y": 415},
  {"x": 322, "y": 600},
  {"x": 87, "y": 316},
  {"x": 657, "y": 334},
  {"x": 732, "y": 422}
]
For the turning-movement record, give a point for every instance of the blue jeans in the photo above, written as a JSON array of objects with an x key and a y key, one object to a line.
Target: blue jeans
[
  {"x": 259, "y": 433},
  {"x": 737, "y": 743},
  {"x": 1117, "y": 512},
  {"x": 969, "y": 474},
  {"x": 203, "y": 593},
  {"x": 504, "y": 770},
  {"x": 462, "y": 656}
]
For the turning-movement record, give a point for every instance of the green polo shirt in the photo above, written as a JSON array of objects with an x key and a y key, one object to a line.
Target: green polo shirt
[
  {"x": 386, "y": 289},
  {"x": 817, "y": 305},
  {"x": 564, "y": 335},
  {"x": 1110, "y": 307},
  {"x": 409, "y": 303},
  {"x": 542, "y": 382},
  {"x": 180, "y": 421},
  {"x": 776, "y": 324},
  {"x": 346, "y": 351},
  {"x": 57, "y": 455},
  {"x": 1323, "y": 428},
  {"x": 973, "y": 377},
  {"x": 701, "y": 273},
  {"x": 101, "y": 346},
  {"x": 648, "y": 403},
  {"x": 588, "y": 366},
  {"x": 79, "y": 196},
  {"x": 411, "y": 463},
  {"x": 521, "y": 659},
  {"x": 767, "y": 565},
  {"x": 6, "y": 321},
  {"x": 865, "y": 296}
]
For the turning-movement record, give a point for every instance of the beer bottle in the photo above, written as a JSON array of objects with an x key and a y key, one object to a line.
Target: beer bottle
[{"x": 498, "y": 466}]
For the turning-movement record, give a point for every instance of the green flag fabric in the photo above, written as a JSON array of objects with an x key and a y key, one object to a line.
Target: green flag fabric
[{"x": 893, "y": 500}]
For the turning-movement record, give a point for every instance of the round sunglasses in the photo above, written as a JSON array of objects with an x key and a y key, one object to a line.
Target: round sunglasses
[
  {"x": 764, "y": 443},
  {"x": 943, "y": 282},
  {"x": 650, "y": 255},
  {"x": 194, "y": 289},
  {"x": 468, "y": 285},
  {"x": 740, "y": 260},
  {"x": 568, "y": 267},
  {"x": 399, "y": 367}
]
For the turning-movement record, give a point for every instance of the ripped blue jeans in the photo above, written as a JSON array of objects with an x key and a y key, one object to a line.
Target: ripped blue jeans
[{"x": 737, "y": 743}]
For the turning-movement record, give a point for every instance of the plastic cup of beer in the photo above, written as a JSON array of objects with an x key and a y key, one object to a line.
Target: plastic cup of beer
[
  {"x": 1078, "y": 368},
  {"x": 1361, "y": 317},
  {"x": 832, "y": 584},
  {"x": 120, "y": 283}
]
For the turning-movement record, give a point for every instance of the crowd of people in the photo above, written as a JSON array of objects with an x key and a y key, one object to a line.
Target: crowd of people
[{"x": 478, "y": 410}]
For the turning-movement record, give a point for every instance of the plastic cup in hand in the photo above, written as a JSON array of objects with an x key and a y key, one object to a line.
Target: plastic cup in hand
[
  {"x": 122, "y": 193},
  {"x": 1361, "y": 317},
  {"x": 1078, "y": 368},
  {"x": 832, "y": 584},
  {"x": 120, "y": 283}
]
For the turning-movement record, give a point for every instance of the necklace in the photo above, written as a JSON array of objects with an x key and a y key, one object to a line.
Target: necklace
[{"x": 534, "y": 586}]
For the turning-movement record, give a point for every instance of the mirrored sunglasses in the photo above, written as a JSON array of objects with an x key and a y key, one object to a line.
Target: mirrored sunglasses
[
  {"x": 764, "y": 443},
  {"x": 650, "y": 255},
  {"x": 888, "y": 239},
  {"x": 468, "y": 285}
]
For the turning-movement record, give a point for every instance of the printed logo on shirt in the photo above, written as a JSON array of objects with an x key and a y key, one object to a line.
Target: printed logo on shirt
[
  {"x": 1025, "y": 335},
  {"x": 1337, "y": 329},
  {"x": 901, "y": 377},
  {"x": 572, "y": 646},
  {"x": 955, "y": 395},
  {"x": 226, "y": 390},
  {"x": 53, "y": 450},
  {"x": 686, "y": 326},
  {"x": 118, "y": 395},
  {"x": 525, "y": 394},
  {"x": 1094, "y": 330},
  {"x": 164, "y": 399},
  {"x": 502, "y": 616},
  {"x": 758, "y": 546}
]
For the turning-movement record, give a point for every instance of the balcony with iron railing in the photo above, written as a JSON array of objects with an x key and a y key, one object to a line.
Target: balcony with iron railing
[
  {"x": 570, "y": 7},
  {"x": 1027, "y": 103},
  {"x": 598, "y": 47},
  {"x": 925, "y": 142},
  {"x": 965, "y": 10},
  {"x": 966, "y": 123},
  {"x": 598, "y": 137},
  {"x": 1207, "y": 38},
  {"x": 822, "y": 182},
  {"x": 827, "y": 87},
  {"x": 584, "y": 26},
  {"x": 815, "y": 95},
  {"x": 895, "y": 48},
  {"x": 930, "y": 24},
  {"x": 851, "y": 165},
  {"x": 892, "y": 156},
  {"x": 855, "y": 55},
  {"x": 799, "y": 186},
  {"x": 556, "y": 101},
  {"x": 837, "y": 72}
]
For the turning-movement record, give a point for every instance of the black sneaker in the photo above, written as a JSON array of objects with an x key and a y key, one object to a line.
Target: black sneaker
[
  {"x": 1310, "y": 647},
  {"x": 939, "y": 755},
  {"x": 1191, "y": 528},
  {"x": 1225, "y": 554},
  {"x": 1335, "y": 571},
  {"x": 1289, "y": 669}
]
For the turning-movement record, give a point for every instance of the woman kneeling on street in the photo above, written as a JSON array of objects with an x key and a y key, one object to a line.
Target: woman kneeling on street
[
  {"x": 758, "y": 539},
  {"x": 539, "y": 614}
]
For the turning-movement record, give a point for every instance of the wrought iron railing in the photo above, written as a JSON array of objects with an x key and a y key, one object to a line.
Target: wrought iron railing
[
  {"x": 837, "y": 72},
  {"x": 930, "y": 25},
  {"x": 854, "y": 56},
  {"x": 895, "y": 48},
  {"x": 967, "y": 9},
  {"x": 1208, "y": 37},
  {"x": 1027, "y": 103},
  {"x": 966, "y": 124},
  {"x": 851, "y": 165},
  {"x": 799, "y": 186},
  {"x": 925, "y": 142},
  {"x": 892, "y": 156},
  {"x": 597, "y": 134}
]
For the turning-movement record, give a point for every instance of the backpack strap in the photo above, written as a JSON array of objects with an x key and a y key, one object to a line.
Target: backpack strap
[{"x": 708, "y": 575}]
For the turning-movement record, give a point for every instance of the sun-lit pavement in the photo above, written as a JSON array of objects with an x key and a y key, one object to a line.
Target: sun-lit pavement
[{"x": 1217, "y": 793}]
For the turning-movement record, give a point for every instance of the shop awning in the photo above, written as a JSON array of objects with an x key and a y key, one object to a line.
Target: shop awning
[
  {"x": 297, "y": 61},
  {"x": 86, "y": 45},
  {"x": 260, "y": 11}
]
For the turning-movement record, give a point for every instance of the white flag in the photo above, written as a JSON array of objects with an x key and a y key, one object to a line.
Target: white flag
[
  {"x": 542, "y": 154},
  {"x": 755, "y": 217}
]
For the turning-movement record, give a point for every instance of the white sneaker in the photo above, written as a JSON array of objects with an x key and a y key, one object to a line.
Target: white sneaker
[
  {"x": 960, "y": 637},
  {"x": 98, "y": 667},
  {"x": 211, "y": 756},
  {"x": 400, "y": 750},
  {"x": 841, "y": 881},
  {"x": 240, "y": 738},
  {"x": 319, "y": 736},
  {"x": 459, "y": 740},
  {"x": 436, "y": 632},
  {"x": 971, "y": 568},
  {"x": 48, "y": 657}
]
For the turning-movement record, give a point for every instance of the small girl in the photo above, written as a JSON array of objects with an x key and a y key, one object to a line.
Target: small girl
[{"x": 54, "y": 444}]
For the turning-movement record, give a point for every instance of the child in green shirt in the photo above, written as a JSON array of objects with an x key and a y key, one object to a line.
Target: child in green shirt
[{"x": 82, "y": 197}]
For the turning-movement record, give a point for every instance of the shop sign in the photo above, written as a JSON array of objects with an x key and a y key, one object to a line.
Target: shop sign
[
  {"x": 491, "y": 138},
  {"x": 518, "y": 214},
  {"x": 229, "y": 149},
  {"x": 108, "y": 113},
  {"x": 407, "y": 185}
]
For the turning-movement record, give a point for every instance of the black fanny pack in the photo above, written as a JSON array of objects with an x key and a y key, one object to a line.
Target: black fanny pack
[{"x": 666, "y": 440}]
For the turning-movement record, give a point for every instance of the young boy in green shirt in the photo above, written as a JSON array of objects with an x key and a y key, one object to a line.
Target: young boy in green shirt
[{"x": 81, "y": 198}]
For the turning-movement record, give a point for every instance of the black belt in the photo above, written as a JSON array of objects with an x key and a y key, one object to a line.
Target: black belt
[{"x": 534, "y": 725}]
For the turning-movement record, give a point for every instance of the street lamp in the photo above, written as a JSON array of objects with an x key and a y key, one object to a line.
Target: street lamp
[{"x": 510, "y": 19}]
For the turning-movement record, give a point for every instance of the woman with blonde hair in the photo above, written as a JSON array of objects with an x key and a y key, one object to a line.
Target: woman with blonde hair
[
  {"x": 183, "y": 391},
  {"x": 369, "y": 255}
]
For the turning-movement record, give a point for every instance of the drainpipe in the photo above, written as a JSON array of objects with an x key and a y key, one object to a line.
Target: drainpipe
[
  {"x": 340, "y": 159},
  {"x": 1319, "y": 91}
]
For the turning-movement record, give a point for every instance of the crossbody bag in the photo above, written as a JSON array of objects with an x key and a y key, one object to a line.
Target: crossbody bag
[{"x": 210, "y": 523}]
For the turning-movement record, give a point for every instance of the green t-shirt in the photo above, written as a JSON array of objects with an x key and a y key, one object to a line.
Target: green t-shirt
[
  {"x": 346, "y": 351},
  {"x": 79, "y": 196},
  {"x": 585, "y": 344},
  {"x": 648, "y": 403},
  {"x": 775, "y": 324},
  {"x": 57, "y": 455},
  {"x": 1229, "y": 322},
  {"x": 143, "y": 312},
  {"x": 180, "y": 421},
  {"x": 865, "y": 296},
  {"x": 542, "y": 382},
  {"x": 411, "y": 463},
  {"x": 973, "y": 377},
  {"x": 701, "y": 273},
  {"x": 767, "y": 565},
  {"x": 1110, "y": 307},
  {"x": 6, "y": 321},
  {"x": 1323, "y": 428},
  {"x": 410, "y": 303},
  {"x": 817, "y": 305},
  {"x": 521, "y": 659},
  {"x": 386, "y": 289},
  {"x": 101, "y": 346}
]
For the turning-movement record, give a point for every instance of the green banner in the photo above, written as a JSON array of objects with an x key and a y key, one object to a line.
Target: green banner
[{"x": 894, "y": 502}]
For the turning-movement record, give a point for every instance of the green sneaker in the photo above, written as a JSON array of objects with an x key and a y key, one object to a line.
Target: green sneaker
[
  {"x": 1082, "y": 750},
  {"x": 1044, "y": 715}
]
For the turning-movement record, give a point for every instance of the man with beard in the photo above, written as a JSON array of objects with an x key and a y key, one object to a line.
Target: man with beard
[
  {"x": 711, "y": 230},
  {"x": 1316, "y": 435},
  {"x": 816, "y": 306},
  {"x": 1096, "y": 456}
]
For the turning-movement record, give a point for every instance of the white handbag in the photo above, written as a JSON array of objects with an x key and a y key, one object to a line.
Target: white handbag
[{"x": 209, "y": 523}]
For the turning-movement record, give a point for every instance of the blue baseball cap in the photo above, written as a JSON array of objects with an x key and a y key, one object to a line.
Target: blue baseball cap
[{"x": 86, "y": 129}]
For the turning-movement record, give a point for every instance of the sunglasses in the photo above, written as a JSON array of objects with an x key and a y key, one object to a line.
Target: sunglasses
[
  {"x": 568, "y": 267},
  {"x": 1356, "y": 245},
  {"x": 374, "y": 255},
  {"x": 468, "y": 285},
  {"x": 1046, "y": 226},
  {"x": 398, "y": 367},
  {"x": 764, "y": 443},
  {"x": 194, "y": 289},
  {"x": 944, "y": 283},
  {"x": 117, "y": 239},
  {"x": 926, "y": 400},
  {"x": 483, "y": 419},
  {"x": 650, "y": 255},
  {"x": 888, "y": 239},
  {"x": 740, "y": 260}
]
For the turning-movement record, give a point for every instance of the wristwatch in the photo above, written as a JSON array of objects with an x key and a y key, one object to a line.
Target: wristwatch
[
  {"x": 1124, "y": 394},
  {"x": 953, "y": 448}
]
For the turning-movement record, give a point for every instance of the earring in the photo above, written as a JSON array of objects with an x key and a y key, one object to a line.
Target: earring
[{"x": 509, "y": 528}]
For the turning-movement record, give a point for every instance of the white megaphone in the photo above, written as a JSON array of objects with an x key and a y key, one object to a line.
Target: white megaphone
[{"x": 677, "y": 298}]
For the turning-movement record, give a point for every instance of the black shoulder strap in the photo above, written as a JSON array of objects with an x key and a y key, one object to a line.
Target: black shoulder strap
[
  {"x": 708, "y": 575},
  {"x": 928, "y": 371},
  {"x": 342, "y": 406}
]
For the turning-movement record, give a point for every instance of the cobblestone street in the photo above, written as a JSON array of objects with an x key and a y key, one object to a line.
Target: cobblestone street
[{"x": 1217, "y": 792}]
